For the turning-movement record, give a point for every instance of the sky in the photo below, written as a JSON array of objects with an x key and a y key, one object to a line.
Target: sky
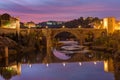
[{"x": 59, "y": 10}]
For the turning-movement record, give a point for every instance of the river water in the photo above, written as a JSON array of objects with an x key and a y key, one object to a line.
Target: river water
[
  {"x": 82, "y": 70},
  {"x": 61, "y": 71}
]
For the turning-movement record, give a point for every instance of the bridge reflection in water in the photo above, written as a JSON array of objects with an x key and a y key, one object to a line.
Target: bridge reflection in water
[
  {"x": 79, "y": 67},
  {"x": 81, "y": 70},
  {"x": 69, "y": 51}
]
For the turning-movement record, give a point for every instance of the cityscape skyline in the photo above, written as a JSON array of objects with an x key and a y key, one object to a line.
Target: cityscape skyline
[{"x": 63, "y": 10}]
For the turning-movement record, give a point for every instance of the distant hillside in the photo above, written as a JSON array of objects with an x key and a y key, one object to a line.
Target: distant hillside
[{"x": 88, "y": 22}]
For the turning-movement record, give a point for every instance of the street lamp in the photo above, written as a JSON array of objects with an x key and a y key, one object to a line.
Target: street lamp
[
  {"x": 79, "y": 26},
  {"x": 63, "y": 26}
]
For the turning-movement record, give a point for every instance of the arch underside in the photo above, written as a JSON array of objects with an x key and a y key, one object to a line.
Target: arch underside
[{"x": 74, "y": 33}]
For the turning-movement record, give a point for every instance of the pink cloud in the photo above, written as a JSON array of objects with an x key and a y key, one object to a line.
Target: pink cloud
[{"x": 43, "y": 10}]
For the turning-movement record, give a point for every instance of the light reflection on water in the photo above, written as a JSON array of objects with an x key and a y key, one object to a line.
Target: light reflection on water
[{"x": 64, "y": 71}]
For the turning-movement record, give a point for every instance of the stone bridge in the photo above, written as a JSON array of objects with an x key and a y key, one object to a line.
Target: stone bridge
[
  {"x": 79, "y": 33},
  {"x": 50, "y": 33}
]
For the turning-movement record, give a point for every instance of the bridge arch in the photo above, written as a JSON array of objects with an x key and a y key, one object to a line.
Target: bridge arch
[
  {"x": 66, "y": 34},
  {"x": 74, "y": 33}
]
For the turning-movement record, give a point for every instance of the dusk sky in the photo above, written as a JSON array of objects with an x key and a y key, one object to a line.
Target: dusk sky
[{"x": 60, "y": 10}]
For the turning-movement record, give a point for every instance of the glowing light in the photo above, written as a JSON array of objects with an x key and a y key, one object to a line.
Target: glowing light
[
  {"x": 30, "y": 65},
  {"x": 46, "y": 27},
  {"x": 105, "y": 21},
  {"x": 106, "y": 66},
  {"x": 49, "y": 23},
  {"x": 64, "y": 64},
  {"x": 47, "y": 65},
  {"x": 79, "y": 26},
  {"x": 63, "y": 26},
  {"x": 95, "y": 63},
  {"x": 117, "y": 26},
  {"x": 80, "y": 63}
]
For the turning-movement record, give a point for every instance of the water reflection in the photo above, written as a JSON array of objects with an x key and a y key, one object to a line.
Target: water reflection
[
  {"x": 64, "y": 64},
  {"x": 80, "y": 66},
  {"x": 80, "y": 63},
  {"x": 94, "y": 70},
  {"x": 68, "y": 49},
  {"x": 63, "y": 71},
  {"x": 47, "y": 64}
]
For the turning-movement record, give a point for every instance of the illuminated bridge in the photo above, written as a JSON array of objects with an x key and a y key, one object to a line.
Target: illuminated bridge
[{"x": 50, "y": 33}]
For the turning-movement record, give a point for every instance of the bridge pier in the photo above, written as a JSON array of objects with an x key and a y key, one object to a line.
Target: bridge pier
[
  {"x": 47, "y": 59},
  {"x": 81, "y": 40}
]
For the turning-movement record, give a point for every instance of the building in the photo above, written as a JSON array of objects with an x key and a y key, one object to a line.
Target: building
[
  {"x": 109, "y": 24},
  {"x": 51, "y": 24},
  {"x": 6, "y": 21},
  {"x": 117, "y": 25},
  {"x": 30, "y": 24}
]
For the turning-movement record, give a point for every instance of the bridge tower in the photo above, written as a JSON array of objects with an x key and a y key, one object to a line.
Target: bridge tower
[{"x": 109, "y": 24}]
